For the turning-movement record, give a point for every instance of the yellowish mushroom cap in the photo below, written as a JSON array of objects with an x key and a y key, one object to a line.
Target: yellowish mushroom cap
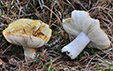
[{"x": 28, "y": 33}]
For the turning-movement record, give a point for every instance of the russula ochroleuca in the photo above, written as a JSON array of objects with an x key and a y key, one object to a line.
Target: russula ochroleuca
[
  {"x": 86, "y": 30},
  {"x": 28, "y": 33}
]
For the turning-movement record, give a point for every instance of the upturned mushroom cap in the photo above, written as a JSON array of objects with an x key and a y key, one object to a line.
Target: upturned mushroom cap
[
  {"x": 28, "y": 33},
  {"x": 80, "y": 21}
]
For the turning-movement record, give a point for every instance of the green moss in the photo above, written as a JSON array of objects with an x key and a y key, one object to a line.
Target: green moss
[
  {"x": 35, "y": 3},
  {"x": 27, "y": 11},
  {"x": 37, "y": 59},
  {"x": 55, "y": 32},
  {"x": 14, "y": 49},
  {"x": 99, "y": 67}
]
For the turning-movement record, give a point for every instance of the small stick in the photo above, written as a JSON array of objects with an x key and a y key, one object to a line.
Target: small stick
[
  {"x": 54, "y": 60},
  {"x": 6, "y": 49}
]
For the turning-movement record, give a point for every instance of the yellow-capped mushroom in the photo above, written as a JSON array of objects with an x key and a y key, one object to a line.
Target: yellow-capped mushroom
[{"x": 28, "y": 33}]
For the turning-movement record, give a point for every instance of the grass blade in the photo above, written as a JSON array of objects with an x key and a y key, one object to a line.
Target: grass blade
[{"x": 4, "y": 6}]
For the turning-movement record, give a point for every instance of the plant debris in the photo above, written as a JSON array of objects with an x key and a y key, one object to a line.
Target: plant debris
[{"x": 49, "y": 56}]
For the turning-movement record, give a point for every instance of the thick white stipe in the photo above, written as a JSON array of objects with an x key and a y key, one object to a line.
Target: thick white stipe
[{"x": 74, "y": 48}]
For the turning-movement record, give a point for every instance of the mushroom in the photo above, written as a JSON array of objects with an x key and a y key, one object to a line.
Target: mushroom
[
  {"x": 86, "y": 30},
  {"x": 30, "y": 34}
]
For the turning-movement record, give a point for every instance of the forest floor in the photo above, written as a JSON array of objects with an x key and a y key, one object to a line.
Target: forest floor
[{"x": 49, "y": 56}]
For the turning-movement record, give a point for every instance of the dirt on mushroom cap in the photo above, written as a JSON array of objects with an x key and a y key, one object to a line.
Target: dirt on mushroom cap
[{"x": 28, "y": 27}]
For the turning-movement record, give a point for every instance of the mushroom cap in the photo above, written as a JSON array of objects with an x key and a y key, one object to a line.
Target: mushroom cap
[
  {"x": 28, "y": 33},
  {"x": 80, "y": 21}
]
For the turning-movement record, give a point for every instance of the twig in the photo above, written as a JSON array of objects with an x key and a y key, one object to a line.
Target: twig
[
  {"x": 31, "y": 67},
  {"x": 89, "y": 62},
  {"x": 54, "y": 60},
  {"x": 81, "y": 5},
  {"x": 53, "y": 43},
  {"x": 6, "y": 49},
  {"x": 100, "y": 8},
  {"x": 71, "y": 4},
  {"x": 41, "y": 3},
  {"x": 53, "y": 13},
  {"x": 35, "y": 9}
]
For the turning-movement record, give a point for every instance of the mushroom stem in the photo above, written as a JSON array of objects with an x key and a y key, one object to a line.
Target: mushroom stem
[
  {"x": 30, "y": 53},
  {"x": 74, "y": 48}
]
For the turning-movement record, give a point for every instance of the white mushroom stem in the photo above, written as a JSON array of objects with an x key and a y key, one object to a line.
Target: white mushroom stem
[
  {"x": 74, "y": 48},
  {"x": 30, "y": 53}
]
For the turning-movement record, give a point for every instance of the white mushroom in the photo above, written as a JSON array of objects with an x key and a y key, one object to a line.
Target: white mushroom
[
  {"x": 28, "y": 33},
  {"x": 87, "y": 30}
]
